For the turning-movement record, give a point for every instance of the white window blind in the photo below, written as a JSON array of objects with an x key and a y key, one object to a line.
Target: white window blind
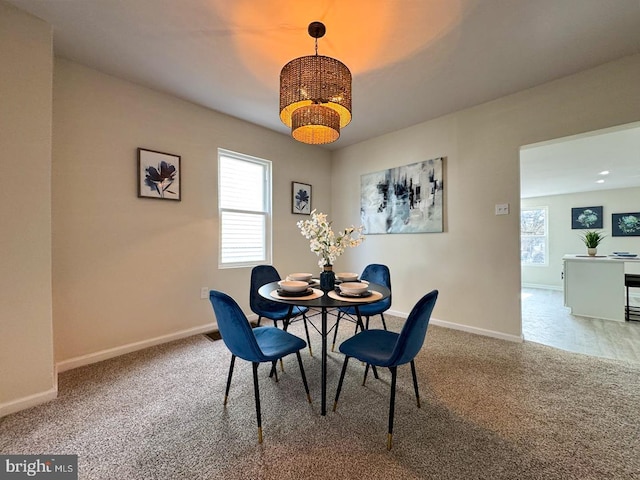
[{"x": 244, "y": 199}]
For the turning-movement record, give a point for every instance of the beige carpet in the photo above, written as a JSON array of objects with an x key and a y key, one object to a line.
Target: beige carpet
[{"x": 490, "y": 410}]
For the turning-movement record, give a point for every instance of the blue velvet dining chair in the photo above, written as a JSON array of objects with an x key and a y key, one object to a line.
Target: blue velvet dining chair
[
  {"x": 258, "y": 345},
  {"x": 381, "y": 348},
  {"x": 374, "y": 273},
  {"x": 261, "y": 275}
]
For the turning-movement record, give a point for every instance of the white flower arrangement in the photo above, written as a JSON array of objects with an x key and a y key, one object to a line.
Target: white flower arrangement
[{"x": 324, "y": 242}]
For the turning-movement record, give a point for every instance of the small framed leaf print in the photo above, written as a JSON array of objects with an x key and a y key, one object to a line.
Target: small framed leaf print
[
  {"x": 158, "y": 175},
  {"x": 300, "y": 198}
]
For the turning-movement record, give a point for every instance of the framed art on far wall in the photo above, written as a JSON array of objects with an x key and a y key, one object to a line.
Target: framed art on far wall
[
  {"x": 625, "y": 224},
  {"x": 586, "y": 217},
  {"x": 158, "y": 175},
  {"x": 405, "y": 199},
  {"x": 300, "y": 198}
]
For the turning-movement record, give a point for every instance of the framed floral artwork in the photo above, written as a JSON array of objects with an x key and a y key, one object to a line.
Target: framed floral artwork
[
  {"x": 158, "y": 175},
  {"x": 625, "y": 224},
  {"x": 586, "y": 218},
  {"x": 300, "y": 198}
]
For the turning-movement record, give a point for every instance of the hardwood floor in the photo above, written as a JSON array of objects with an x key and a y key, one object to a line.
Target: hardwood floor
[{"x": 545, "y": 320}]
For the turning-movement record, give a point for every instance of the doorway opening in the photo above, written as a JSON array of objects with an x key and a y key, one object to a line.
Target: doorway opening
[{"x": 595, "y": 169}]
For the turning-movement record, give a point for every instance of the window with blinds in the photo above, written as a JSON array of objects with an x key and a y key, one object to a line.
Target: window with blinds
[{"x": 244, "y": 203}]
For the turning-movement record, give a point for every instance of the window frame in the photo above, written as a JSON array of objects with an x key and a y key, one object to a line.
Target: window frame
[
  {"x": 266, "y": 212},
  {"x": 545, "y": 236}
]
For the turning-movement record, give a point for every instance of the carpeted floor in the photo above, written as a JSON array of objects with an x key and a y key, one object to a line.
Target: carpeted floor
[{"x": 490, "y": 410}]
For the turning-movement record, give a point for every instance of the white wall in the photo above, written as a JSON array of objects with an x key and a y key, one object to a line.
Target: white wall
[
  {"x": 26, "y": 341},
  {"x": 563, "y": 240},
  {"x": 128, "y": 270},
  {"x": 475, "y": 263}
]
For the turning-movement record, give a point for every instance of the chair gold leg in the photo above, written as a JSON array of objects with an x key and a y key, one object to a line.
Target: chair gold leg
[
  {"x": 225, "y": 401},
  {"x": 335, "y": 406},
  {"x": 311, "y": 352},
  {"x": 259, "y": 434},
  {"x": 281, "y": 366},
  {"x": 389, "y": 440}
]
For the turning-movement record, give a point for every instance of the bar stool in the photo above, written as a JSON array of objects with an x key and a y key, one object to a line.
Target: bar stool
[{"x": 631, "y": 281}]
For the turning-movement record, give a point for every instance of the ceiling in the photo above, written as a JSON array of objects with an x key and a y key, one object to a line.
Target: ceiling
[
  {"x": 577, "y": 163},
  {"x": 411, "y": 60}
]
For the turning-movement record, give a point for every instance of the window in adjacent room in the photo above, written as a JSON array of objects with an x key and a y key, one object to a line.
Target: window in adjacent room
[
  {"x": 533, "y": 236},
  {"x": 244, "y": 206}
]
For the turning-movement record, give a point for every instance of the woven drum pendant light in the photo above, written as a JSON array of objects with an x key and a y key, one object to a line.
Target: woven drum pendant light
[{"x": 315, "y": 95}]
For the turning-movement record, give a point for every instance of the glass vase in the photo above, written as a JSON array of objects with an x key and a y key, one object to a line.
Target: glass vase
[{"x": 327, "y": 278}]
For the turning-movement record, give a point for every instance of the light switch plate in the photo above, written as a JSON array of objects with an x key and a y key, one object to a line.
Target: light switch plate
[
  {"x": 502, "y": 209},
  {"x": 204, "y": 293}
]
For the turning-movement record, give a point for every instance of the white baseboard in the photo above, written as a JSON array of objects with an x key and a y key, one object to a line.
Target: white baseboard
[
  {"x": 478, "y": 331},
  {"x": 465, "y": 328},
  {"x": 27, "y": 402},
  {"x": 633, "y": 294},
  {"x": 396, "y": 313},
  {"x": 557, "y": 288},
  {"x": 131, "y": 347}
]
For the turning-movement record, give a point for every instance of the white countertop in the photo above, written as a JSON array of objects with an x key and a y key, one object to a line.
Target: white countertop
[{"x": 599, "y": 258}]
